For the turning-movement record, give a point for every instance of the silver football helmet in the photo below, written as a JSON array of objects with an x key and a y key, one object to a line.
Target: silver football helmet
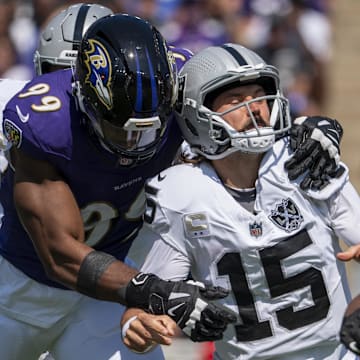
[
  {"x": 59, "y": 41},
  {"x": 208, "y": 73}
]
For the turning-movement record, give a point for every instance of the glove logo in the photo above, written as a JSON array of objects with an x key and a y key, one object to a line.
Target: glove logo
[
  {"x": 353, "y": 347},
  {"x": 140, "y": 279},
  {"x": 175, "y": 295},
  {"x": 172, "y": 310}
]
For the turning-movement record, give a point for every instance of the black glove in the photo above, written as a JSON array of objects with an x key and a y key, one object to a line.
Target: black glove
[
  {"x": 186, "y": 303},
  {"x": 316, "y": 143},
  {"x": 350, "y": 332}
]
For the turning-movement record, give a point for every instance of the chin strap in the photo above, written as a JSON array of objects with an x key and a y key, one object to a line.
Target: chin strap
[{"x": 254, "y": 143}]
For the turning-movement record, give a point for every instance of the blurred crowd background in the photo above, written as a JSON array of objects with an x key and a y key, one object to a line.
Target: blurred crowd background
[{"x": 294, "y": 35}]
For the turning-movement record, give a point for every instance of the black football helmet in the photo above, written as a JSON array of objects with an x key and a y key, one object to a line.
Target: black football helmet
[{"x": 126, "y": 84}]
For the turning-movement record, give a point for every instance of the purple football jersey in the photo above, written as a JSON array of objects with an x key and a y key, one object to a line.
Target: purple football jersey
[{"x": 43, "y": 120}]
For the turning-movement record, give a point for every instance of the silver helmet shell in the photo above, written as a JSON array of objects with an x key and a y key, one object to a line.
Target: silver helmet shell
[
  {"x": 59, "y": 41},
  {"x": 211, "y": 71}
]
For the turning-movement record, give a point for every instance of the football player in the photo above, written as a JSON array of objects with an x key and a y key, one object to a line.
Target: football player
[
  {"x": 234, "y": 219},
  {"x": 83, "y": 141},
  {"x": 57, "y": 49}
]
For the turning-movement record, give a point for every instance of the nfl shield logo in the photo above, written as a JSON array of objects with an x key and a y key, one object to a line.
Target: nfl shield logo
[{"x": 255, "y": 229}]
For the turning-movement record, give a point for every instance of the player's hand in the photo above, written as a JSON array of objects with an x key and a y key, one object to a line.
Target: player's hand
[
  {"x": 186, "y": 303},
  {"x": 144, "y": 331},
  {"x": 352, "y": 253},
  {"x": 315, "y": 141},
  {"x": 350, "y": 327}
]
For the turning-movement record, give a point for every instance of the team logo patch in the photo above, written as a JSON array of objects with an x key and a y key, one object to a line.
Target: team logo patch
[
  {"x": 255, "y": 229},
  {"x": 196, "y": 225},
  {"x": 13, "y": 133},
  {"x": 286, "y": 216},
  {"x": 99, "y": 71}
]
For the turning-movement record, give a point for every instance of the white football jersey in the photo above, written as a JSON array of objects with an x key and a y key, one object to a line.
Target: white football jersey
[{"x": 287, "y": 287}]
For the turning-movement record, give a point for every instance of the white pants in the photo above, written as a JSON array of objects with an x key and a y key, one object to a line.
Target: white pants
[{"x": 35, "y": 318}]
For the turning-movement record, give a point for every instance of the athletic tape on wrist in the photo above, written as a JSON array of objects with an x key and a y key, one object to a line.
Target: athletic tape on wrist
[
  {"x": 126, "y": 326},
  {"x": 123, "y": 335},
  {"x": 92, "y": 267}
]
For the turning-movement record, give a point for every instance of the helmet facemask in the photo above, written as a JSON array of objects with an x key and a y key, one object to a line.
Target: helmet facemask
[
  {"x": 207, "y": 75},
  {"x": 136, "y": 140},
  {"x": 260, "y": 138},
  {"x": 126, "y": 86}
]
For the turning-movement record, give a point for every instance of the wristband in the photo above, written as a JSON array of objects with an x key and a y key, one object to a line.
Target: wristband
[{"x": 91, "y": 269}]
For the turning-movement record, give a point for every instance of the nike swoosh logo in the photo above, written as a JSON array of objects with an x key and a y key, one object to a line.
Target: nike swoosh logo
[
  {"x": 22, "y": 117},
  {"x": 353, "y": 346},
  {"x": 171, "y": 310},
  {"x": 161, "y": 178},
  {"x": 175, "y": 295}
]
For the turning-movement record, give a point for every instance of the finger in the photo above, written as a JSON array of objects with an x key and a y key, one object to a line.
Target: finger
[
  {"x": 156, "y": 324},
  {"x": 352, "y": 253},
  {"x": 312, "y": 158},
  {"x": 299, "y": 168},
  {"x": 304, "y": 165},
  {"x": 344, "y": 256},
  {"x": 204, "y": 333},
  {"x": 139, "y": 349},
  {"x": 321, "y": 184},
  {"x": 161, "y": 339},
  {"x": 299, "y": 162},
  {"x": 211, "y": 322},
  {"x": 135, "y": 341},
  {"x": 330, "y": 168},
  {"x": 305, "y": 183},
  {"x": 201, "y": 335},
  {"x": 140, "y": 330},
  {"x": 304, "y": 149},
  {"x": 214, "y": 292},
  {"x": 170, "y": 325},
  {"x": 218, "y": 316},
  {"x": 318, "y": 184},
  {"x": 318, "y": 168},
  {"x": 163, "y": 334},
  {"x": 144, "y": 339},
  {"x": 228, "y": 317},
  {"x": 296, "y": 136},
  {"x": 293, "y": 169},
  {"x": 337, "y": 172},
  {"x": 314, "y": 184}
]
